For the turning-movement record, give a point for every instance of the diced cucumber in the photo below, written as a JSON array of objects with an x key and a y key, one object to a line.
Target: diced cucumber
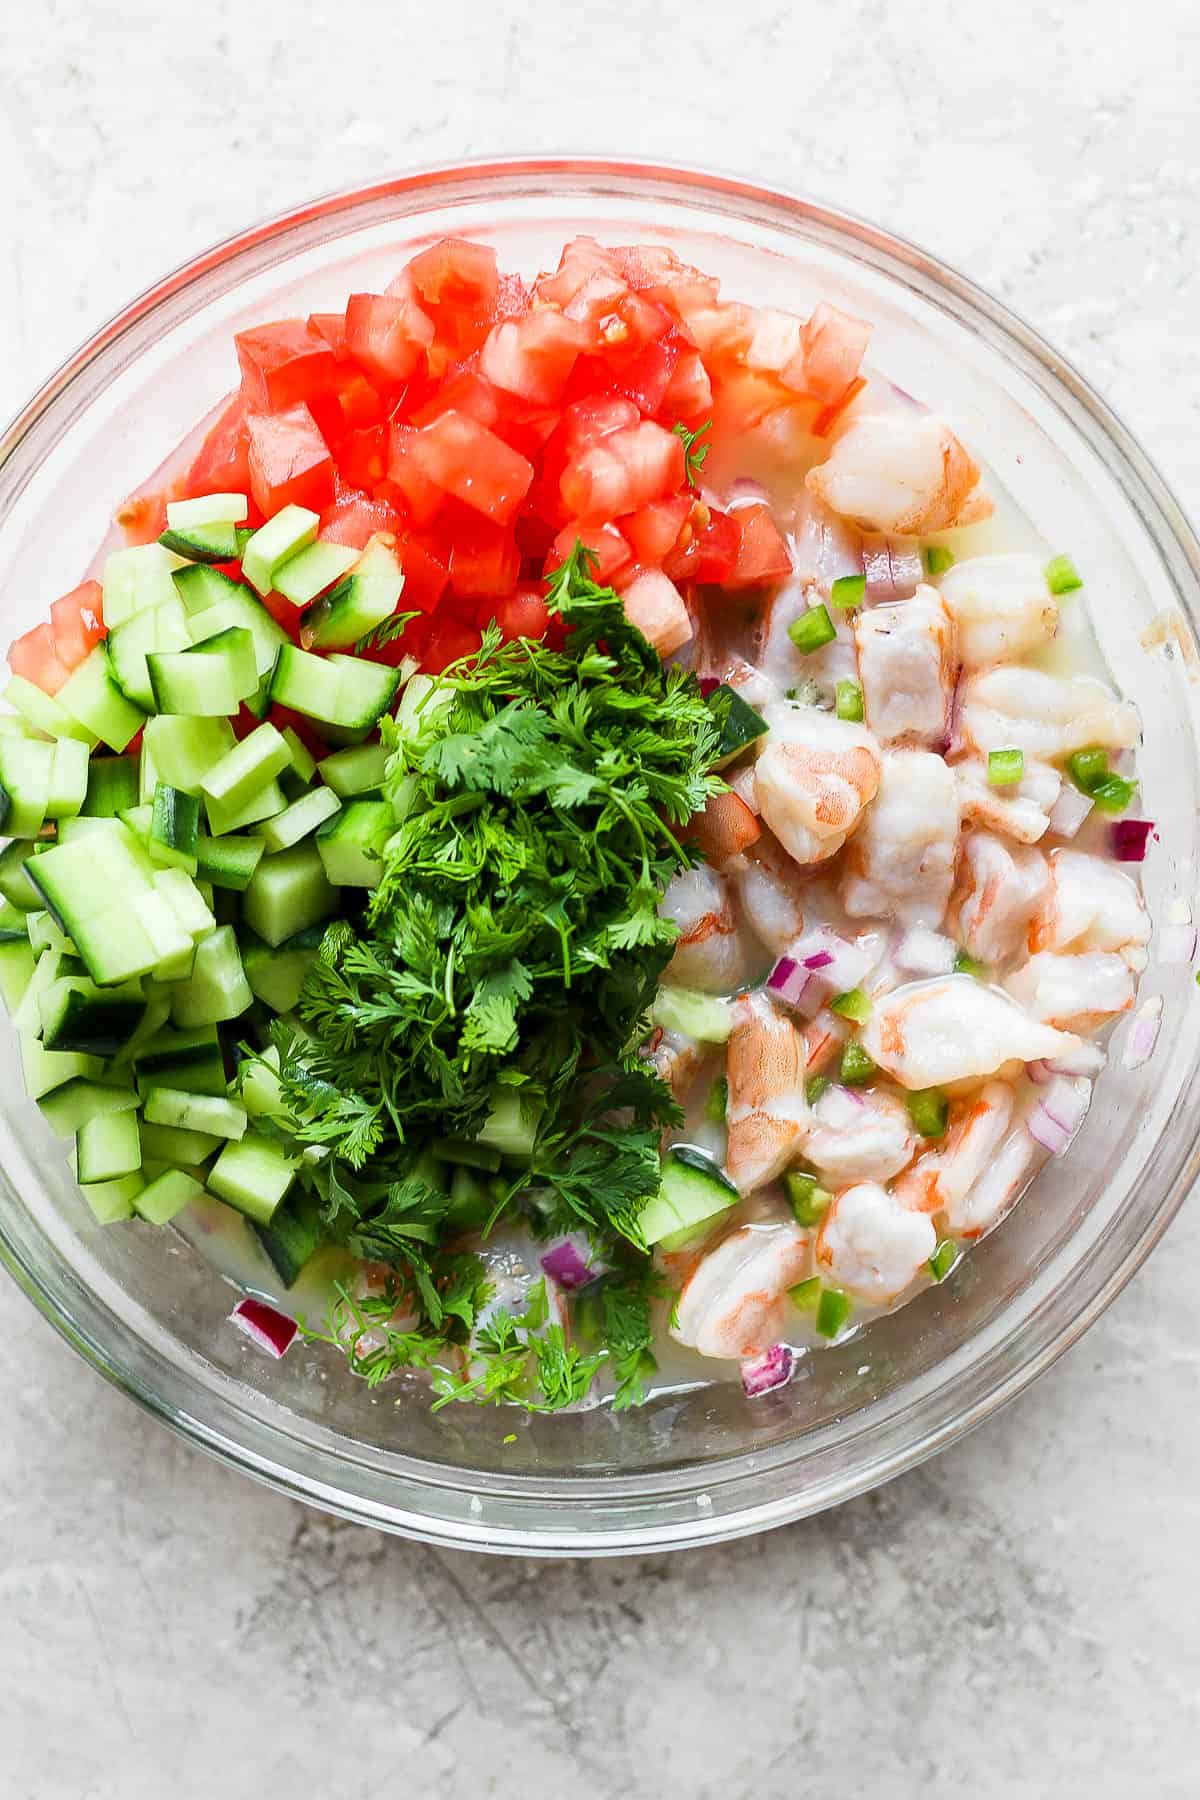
[
  {"x": 358, "y": 604},
  {"x": 195, "y": 1112},
  {"x": 190, "y": 1060},
  {"x": 304, "y": 764},
  {"x": 246, "y": 769},
  {"x": 107, "y": 1147},
  {"x": 13, "y": 725},
  {"x": 228, "y": 862},
  {"x": 351, "y": 843},
  {"x": 69, "y": 1107},
  {"x": 208, "y": 681},
  {"x": 161, "y": 1199},
  {"x": 424, "y": 697},
  {"x": 276, "y": 976},
  {"x": 139, "y": 819},
  {"x": 44, "y": 713},
  {"x": 15, "y": 885},
  {"x": 158, "y": 1011},
  {"x": 260, "y": 1087},
  {"x": 217, "y": 988},
  {"x": 182, "y": 751},
  {"x": 68, "y": 779},
  {"x": 173, "y": 942},
  {"x": 14, "y": 924},
  {"x": 287, "y": 893},
  {"x": 92, "y": 697},
  {"x": 299, "y": 819},
  {"x": 174, "y": 828},
  {"x": 26, "y": 765},
  {"x": 303, "y": 576},
  {"x": 112, "y": 1201},
  {"x": 95, "y": 888},
  {"x": 254, "y": 1176},
  {"x": 292, "y": 1236},
  {"x": 263, "y": 805},
  {"x": 511, "y": 1125},
  {"x": 207, "y": 509},
  {"x": 49, "y": 1069},
  {"x": 355, "y": 771},
  {"x": 290, "y": 530},
  {"x": 238, "y": 606},
  {"x": 186, "y": 901},
  {"x": 16, "y": 972},
  {"x": 338, "y": 690},
  {"x": 703, "y": 1017},
  {"x": 78, "y": 1015},
  {"x": 214, "y": 542},
  {"x": 167, "y": 1144},
  {"x": 742, "y": 727},
  {"x": 47, "y": 969},
  {"x": 693, "y": 1189},
  {"x": 163, "y": 628},
  {"x": 44, "y": 933},
  {"x": 112, "y": 786},
  {"x": 135, "y": 580}
]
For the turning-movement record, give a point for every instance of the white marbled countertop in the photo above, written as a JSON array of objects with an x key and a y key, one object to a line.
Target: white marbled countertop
[{"x": 1018, "y": 1617}]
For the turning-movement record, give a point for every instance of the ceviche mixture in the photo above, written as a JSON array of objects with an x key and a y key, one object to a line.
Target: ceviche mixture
[{"x": 574, "y": 847}]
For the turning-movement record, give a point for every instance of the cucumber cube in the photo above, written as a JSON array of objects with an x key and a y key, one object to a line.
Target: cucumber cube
[
  {"x": 92, "y": 697},
  {"x": 303, "y": 576},
  {"x": 298, "y": 819},
  {"x": 108, "y": 1147},
  {"x": 217, "y": 988},
  {"x": 44, "y": 713},
  {"x": 355, "y": 771},
  {"x": 287, "y": 893},
  {"x": 207, "y": 509},
  {"x": 263, "y": 805},
  {"x": 246, "y": 769},
  {"x": 135, "y": 580},
  {"x": 289, "y": 531},
  {"x": 195, "y": 1112},
  {"x": 161, "y": 1199},
  {"x": 254, "y": 1176},
  {"x": 182, "y": 751},
  {"x": 167, "y": 1144},
  {"x": 112, "y": 1201},
  {"x": 208, "y": 681},
  {"x": 304, "y": 764},
  {"x": 351, "y": 844}
]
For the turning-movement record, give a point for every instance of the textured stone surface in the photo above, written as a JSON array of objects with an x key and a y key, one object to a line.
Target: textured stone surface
[{"x": 1018, "y": 1617}]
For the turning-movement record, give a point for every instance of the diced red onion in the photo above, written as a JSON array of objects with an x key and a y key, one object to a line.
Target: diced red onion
[
  {"x": 1129, "y": 837},
  {"x": 924, "y": 952},
  {"x": 892, "y": 567},
  {"x": 568, "y": 1262},
  {"x": 1039, "y": 1072},
  {"x": 708, "y": 684},
  {"x": 265, "y": 1326},
  {"x": 1143, "y": 1034},
  {"x": 1059, "y": 1113},
  {"x": 773, "y": 1369},
  {"x": 1069, "y": 811},
  {"x": 1177, "y": 943},
  {"x": 819, "y": 964},
  {"x": 821, "y": 960}
]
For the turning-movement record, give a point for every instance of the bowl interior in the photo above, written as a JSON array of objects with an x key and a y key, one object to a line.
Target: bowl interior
[{"x": 151, "y": 1313}]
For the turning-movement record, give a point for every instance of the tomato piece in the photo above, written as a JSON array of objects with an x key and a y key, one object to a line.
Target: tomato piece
[
  {"x": 654, "y": 604},
  {"x": 828, "y": 416},
  {"x": 762, "y": 554},
  {"x": 362, "y": 457},
  {"x": 420, "y": 497},
  {"x": 449, "y": 640},
  {"x": 522, "y": 614},
  {"x": 719, "y": 545},
  {"x": 35, "y": 657},
  {"x": 832, "y": 346},
  {"x": 387, "y": 336},
  {"x": 222, "y": 464},
  {"x": 689, "y": 394},
  {"x": 426, "y": 576},
  {"x": 645, "y": 376},
  {"x": 724, "y": 828},
  {"x": 290, "y": 464},
  {"x": 586, "y": 422},
  {"x": 483, "y": 558},
  {"x": 351, "y": 404},
  {"x": 462, "y": 457},
  {"x": 77, "y": 621},
  {"x": 354, "y": 518},
  {"x": 721, "y": 330},
  {"x": 623, "y": 473},
  {"x": 533, "y": 356},
  {"x": 456, "y": 283},
  {"x": 142, "y": 517},
  {"x": 596, "y": 302},
  {"x": 654, "y": 531},
  {"x": 331, "y": 327},
  {"x": 283, "y": 365},
  {"x": 581, "y": 259},
  {"x": 465, "y": 392},
  {"x": 611, "y": 551}
]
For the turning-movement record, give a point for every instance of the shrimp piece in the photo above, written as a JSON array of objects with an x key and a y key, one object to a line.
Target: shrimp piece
[
  {"x": 677, "y": 1059},
  {"x": 872, "y": 1244},
  {"x": 1020, "y": 810},
  {"x": 935, "y": 1033},
  {"x": 1044, "y": 716},
  {"x": 1075, "y": 993},
  {"x": 778, "y": 658},
  {"x": 907, "y": 669},
  {"x": 765, "y": 1114},
  {"x": 813, "y": 779},
  {"x": 970, "y": 1214},
  {"x": 768, "y": 886},
  {"x": 941, "y": 1179},
  {"x": 1002, "y": 608},
  {"x": 859, "y": 1136},
  {"x": 735, "y": 1302},
  {"x": 1090, "y": 905},
  {"x": 901, "y": 863},
  {"x": 710, "y": 954},
  {"x": 903, "y": 473},
  {"x": 1000, "y": 888}
]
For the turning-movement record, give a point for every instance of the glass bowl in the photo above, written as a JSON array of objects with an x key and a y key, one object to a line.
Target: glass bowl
[{"x": 692, "y": 1467}]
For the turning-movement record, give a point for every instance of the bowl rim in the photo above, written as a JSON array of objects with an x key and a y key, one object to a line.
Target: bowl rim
[{"x": 1150, "y": 495}]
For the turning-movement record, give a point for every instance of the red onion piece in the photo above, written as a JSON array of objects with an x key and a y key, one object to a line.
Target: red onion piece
[
  {"x": 805, "y": 984},
  {"x": 820, "y": 960},
  {"x": 1059, "y": 1113},
  {"x": 1177, "y": 943},
  {"x": 567, "y": 1263},
  {"x": 924, "y": 952},
  {"x": 265, "y": 1326},
  {"x": 892, "y": 566},
  {"x": 1069, "y": 811},
  {"x": 1129, "y": 838},
  {"x": 1143, "y": 1034},
  {"x": 708, "y": 684},
  {"x": 773, "y": 1369},
  {"x": 1039, "y": 1072}
]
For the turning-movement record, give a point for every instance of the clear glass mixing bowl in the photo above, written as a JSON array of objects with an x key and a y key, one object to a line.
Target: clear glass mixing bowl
[{"x": 151, "y": 1316}]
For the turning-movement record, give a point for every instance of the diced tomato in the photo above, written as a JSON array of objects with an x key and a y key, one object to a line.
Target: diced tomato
[
  {"x": 723, "y": 829},
  {"x": 35, "y": 657},
  {"x": 483, "y": 558},
  {"x": 720, "y": 543},
  {"x": 586, "y": 422},
  {"x": 425, "y": 576},
  {"x": 387, "y": 336},
  {"x": 645, "y": 377},
  {"x": 655, "y": 605},
  {"x": 512, "y": 298},
  {"x": 828, "y": 416},
  {"x": 222, "y": 464},
  {"x": 611, "y": 551},
  {"x": 283, "y": 365},
  {"x": 622, "y": 473},
  {"x": 520, "y": 614},
  {"x": 721, "y": 330},
  {"x": 465, "y": 392},
  {"x": 142, "y": 517},
  {"x": 533, "y": 356},
  {"x": 331, "y": 327},
  {"x": 597, "y": 300},
  {"x": 457, "y": 283},
  {"x": 420, "y": 497},
  {"x": 462, "y": 457},
  {"x": 362, "y": 457},
  {"x": 449, "y": 640},
  {"x": 762, "y": 554},
  {"x": 581, "y": 259},
  {"x": 351, "y": 404},
  {"x": 290, "y": 464},
  {"x": 354, "y": 518},
  {"x": 77, "y": 621},
  {"x": 832, "y": 346},
  {"x": 689, "y": 394},
  {"x": 654, "y": 531}
]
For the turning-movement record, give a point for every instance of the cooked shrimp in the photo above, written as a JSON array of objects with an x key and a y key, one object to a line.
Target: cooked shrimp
[
  {"x": 1043, "y": 715},
  {"x": 1076, "y": 993},
  {"x": 904, "y": 473},
  {"x": 872, "y": 1244},
  {"x": 511, "y": 1261},
  {"x": 906, "y": 666},
  {"x": 941, "y": 1179},
  {"x": 901, "y": 863},
  {"x": 1020, "y": 809},
  {"x": 777, "y": 656},
  {"x": 970, "y": 1214},
  {"x": 766, "y": 1114},
  {"x": 710, "y": 954},
  {"x": 1001, "y": 606},
  {"x": 735, "y": 1302},
  {"x": 813, "y": 779},
  {"x": 1000, "y": 887},
  {"x": 768, "y": 886},
  {"x": 677, "y": 1059},
  {"x": 1090, "y": 905},
  {"x": 934, "y": 1033},
  {"x": 859, "y": 1136}
]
